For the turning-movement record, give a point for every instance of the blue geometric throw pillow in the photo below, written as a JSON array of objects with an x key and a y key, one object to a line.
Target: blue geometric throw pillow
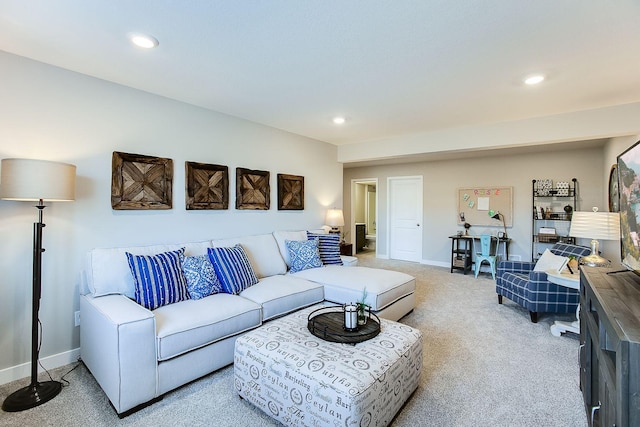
[
  {"x": 328, "y": 246},
  {"x": 158, "y": 278},
  {"x": 232, "y": 268},
  {"x": 304, "y": 254},
  {"x": 201, "y": 276}
]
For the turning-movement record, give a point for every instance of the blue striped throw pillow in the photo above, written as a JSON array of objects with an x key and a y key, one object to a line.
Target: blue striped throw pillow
[
  {"x": 303, "y": 254},
  {"x": 158, "y": 278},
  {"x": 328, "y": 246},
  {"x": 232, "y": 268}
]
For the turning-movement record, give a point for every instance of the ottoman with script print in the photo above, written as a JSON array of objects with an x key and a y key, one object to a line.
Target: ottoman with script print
[{"x": 302, "y": 380}]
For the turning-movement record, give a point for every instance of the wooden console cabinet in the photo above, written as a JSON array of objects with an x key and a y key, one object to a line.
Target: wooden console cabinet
[{"x": 610, "y": 346}]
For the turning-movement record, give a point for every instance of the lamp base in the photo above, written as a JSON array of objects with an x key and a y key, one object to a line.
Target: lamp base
[
  {"x": 594, "y": 260},
  {"x": 31, "y": 396}
]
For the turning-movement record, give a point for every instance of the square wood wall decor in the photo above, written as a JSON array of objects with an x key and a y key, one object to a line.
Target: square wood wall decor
[
  {"x": 206, "y": 186},
  {"x": 141, "y": 182},
  {"x": 252, "y": 189},
  {"x": 290, "y": 192}
]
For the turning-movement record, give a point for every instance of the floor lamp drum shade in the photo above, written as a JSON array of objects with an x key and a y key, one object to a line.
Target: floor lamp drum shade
[{"x": 27, "y": 179}]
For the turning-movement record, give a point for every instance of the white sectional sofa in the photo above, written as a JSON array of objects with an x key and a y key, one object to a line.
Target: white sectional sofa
[{"x": 137, "y": 355}]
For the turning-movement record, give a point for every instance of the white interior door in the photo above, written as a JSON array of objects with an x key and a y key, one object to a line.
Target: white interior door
[{"x": 405, "y": 218}]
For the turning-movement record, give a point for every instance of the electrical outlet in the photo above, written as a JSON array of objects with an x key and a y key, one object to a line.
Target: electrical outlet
[{"x": 77, "y": 318}]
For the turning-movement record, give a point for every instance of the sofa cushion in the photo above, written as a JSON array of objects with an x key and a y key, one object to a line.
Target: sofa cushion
[
  {"x": 201, "y": 277},
  {"x": 158, "y": 278},
  {"x": 191, "y": 324},
  {"x": 281, "y": 294},
  {"x": 281, "y": 236},
  {"x": 262, "y": 251},
  {"x": 328, "y": 247},
  {"x": 107, "y": 270},
  {"x": 233, "y": 268},
  {"x": 342, "y": 284},
  {"x": 303, "y": 254}
]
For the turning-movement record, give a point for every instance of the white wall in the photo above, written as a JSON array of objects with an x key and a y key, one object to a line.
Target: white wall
[
  {"x": 443, "y": 178},
  {"x": 53, "y": 114}
]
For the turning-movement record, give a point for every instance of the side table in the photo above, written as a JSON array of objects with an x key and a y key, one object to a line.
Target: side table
[
  {"x": 461, "y": 247},
  {"x": 571, "y": 281},
  {"x": 346, "y": 249}
]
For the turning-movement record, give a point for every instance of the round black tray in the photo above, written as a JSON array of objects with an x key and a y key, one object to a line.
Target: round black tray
[{"x": 327, "y": 323}]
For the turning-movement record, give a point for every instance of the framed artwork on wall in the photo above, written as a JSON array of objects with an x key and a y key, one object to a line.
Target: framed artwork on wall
[
  {"x": 252, "y": 189},
  {"x": 206, "y": 186},
  {"x": 614, "y": 194},
  {"x": 141, "y": 182},
  {"x": 290, "y": 192}
]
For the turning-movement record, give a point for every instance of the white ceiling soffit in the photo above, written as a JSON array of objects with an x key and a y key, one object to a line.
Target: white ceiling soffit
[
  {"x": 481, "y": 153},
  {"x": 390, "y": 67}
]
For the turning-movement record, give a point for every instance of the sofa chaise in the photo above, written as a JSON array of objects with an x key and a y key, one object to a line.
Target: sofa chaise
[{"x": 137, "y": 354}]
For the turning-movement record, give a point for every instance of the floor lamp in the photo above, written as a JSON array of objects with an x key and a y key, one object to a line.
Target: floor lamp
[{"x": 35, "y": 180}]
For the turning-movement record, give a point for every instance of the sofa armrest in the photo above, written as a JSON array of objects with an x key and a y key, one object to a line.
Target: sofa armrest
[
  {"x": 349, "y": 261},
  {"x": 118, "y": 345}
]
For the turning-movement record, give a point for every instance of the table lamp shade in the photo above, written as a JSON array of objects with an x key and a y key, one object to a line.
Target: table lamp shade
[
  {"x": 335, "y": 218},
  {"x": 27, "y": 179},
  {"x": 595, "y": 225}
]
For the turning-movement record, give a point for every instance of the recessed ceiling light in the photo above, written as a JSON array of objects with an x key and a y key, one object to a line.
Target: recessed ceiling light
[
  {"x": 339, "y": 120},
  {"x": 534, "y": 79},
  {"x": 144, "y": 41}
]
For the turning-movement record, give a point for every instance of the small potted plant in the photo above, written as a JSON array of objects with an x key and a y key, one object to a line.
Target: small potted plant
[{"x": 362, "y": 308}]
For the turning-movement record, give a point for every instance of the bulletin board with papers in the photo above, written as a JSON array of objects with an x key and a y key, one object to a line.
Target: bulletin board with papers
[{"x": 475, "y": 204}]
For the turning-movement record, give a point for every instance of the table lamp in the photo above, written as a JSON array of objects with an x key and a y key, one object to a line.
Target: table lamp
[
  {"x": 500, "y": 216},
  {"x": 595, "y": 225},
  {"x": 335, "y": 219},
  {"x": 40, "y": 181}
]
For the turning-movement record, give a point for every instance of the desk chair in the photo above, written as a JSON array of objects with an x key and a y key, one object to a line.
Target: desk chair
[{"x": 488, "y": 252}]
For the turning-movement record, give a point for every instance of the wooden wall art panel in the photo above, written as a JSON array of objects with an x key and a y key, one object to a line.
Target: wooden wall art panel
[
  {"x": 206, "y": 186},
  {"x": 290, "y": 192},
  {"x": 141, "y": 182},
  {"x": 252, "y": 189}
]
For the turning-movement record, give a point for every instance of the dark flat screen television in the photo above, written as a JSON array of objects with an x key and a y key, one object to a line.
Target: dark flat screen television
[{"x": 628, "y": 166}]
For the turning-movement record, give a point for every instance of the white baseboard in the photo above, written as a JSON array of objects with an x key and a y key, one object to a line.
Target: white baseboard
[
  {"x": 51, "y": 362},
  {"x": 435, "y": 263}
]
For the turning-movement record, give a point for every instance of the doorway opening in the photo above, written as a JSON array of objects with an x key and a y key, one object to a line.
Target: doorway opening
[{"x": 364, "y": 215}]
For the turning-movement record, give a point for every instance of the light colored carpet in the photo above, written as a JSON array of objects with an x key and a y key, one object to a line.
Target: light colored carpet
[{"x": 484, "y": 365}]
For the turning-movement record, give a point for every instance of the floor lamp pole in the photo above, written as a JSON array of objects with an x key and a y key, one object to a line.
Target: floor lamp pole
[{"x": 35, "y": 393}]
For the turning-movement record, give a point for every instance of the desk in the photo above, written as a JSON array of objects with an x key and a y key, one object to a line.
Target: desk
[
  {"x": 462, "y": 251},
  {"x": 571, "y": 281}
]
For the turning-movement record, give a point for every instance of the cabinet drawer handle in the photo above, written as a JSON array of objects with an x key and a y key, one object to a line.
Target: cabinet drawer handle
[
  {"x": 580, "y": 347},
  {"x": 594, "y": 410}
]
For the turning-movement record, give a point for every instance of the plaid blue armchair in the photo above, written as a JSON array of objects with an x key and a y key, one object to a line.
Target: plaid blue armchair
[{"x": 517, "y": 281}]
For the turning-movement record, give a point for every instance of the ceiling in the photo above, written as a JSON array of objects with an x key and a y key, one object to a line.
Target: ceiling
[{"x": 390, "y": 67}]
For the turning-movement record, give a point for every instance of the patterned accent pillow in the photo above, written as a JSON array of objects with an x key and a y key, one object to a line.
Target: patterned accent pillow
[
  {"x": 304, "y": 254},
  {"x": 201, "y": 276},
  {"x": 233, "y": 268},
  {"x": 328, "y": 246},
  {"x": 158, "y": 278}
]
